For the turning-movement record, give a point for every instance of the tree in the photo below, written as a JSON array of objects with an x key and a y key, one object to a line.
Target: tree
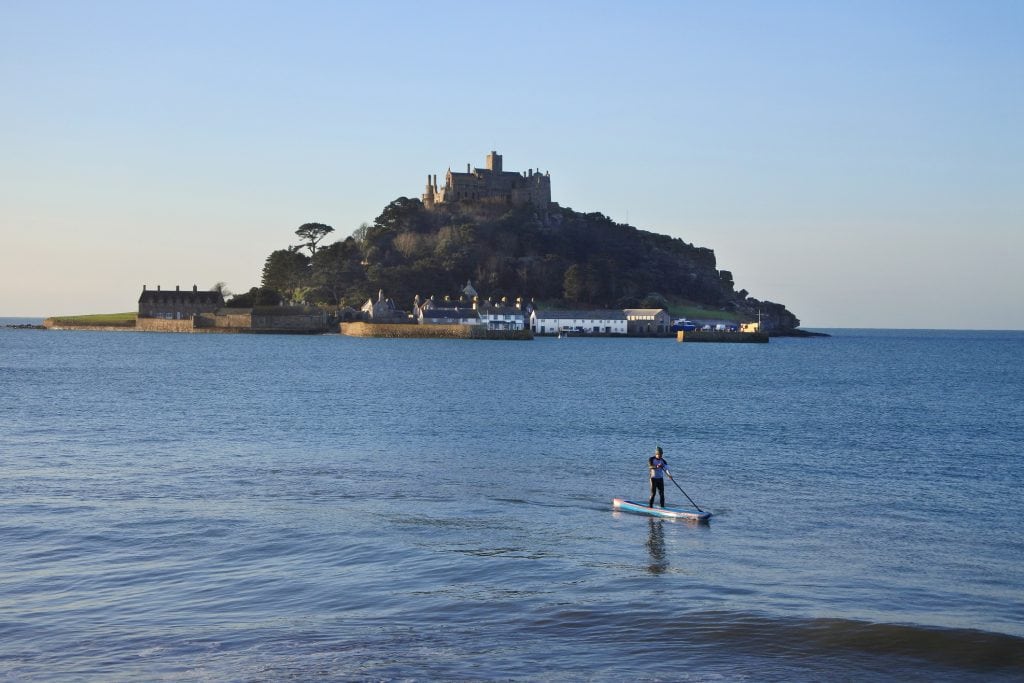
[
  {"x": 574, "y": 283},
  {"x": 654, "y": 300},
  {"x": 257, "y": 296},
  {"x": 402, "y": 213},
  {"x": 312, "y": 233},
  {"x": 222, "y": 287},
  {"x": 337, "y": 270},
  {"x": 285, "y": 271},
  {"x": 360, "y": 233}
]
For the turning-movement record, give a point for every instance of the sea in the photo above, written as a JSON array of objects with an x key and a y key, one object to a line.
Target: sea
[{"x": 179, "y": 507}]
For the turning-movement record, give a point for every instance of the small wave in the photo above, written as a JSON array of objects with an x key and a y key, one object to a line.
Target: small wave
[
  {"x": 792, "y": 637},
  {"x": 960, "y": 648}
]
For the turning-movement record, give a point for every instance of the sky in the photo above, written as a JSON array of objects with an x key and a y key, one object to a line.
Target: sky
[{"x": 860, "y": 162}]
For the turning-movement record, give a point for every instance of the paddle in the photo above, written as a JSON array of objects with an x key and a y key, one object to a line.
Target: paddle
[{"x": 681, "y": 489}]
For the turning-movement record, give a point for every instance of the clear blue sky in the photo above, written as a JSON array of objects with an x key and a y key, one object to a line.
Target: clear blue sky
[{"x": 861, "y": 162}]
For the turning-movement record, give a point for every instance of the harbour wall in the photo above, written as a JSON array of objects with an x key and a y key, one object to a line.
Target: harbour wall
[
  {"x": 400, "y": 331},
  {"x": 161, "y": 325},
  {"x": 87, "y": 328},
  {"x": 722, "y": 336}
]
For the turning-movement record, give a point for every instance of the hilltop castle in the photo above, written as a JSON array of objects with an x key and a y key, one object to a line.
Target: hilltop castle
[{"x": 490, "y": 183}]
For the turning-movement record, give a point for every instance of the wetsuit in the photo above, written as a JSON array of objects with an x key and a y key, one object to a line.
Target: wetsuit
[{"x": 657, "y": 465}]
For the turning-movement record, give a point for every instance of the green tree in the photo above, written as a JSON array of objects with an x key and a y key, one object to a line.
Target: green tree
[
  {"x": 256, "y": 296},
  {"x": 312, "y": 233},
  {"x": 654, "y": 300},
  {"x": 337, "y": 270},
  {"x": 286, "y": 271}
]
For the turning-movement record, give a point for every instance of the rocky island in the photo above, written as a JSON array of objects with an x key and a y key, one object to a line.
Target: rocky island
[{"x": 487, "y": 230}]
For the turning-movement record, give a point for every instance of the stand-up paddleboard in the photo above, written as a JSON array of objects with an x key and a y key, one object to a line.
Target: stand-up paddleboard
[{"x": 670, "y": 512}]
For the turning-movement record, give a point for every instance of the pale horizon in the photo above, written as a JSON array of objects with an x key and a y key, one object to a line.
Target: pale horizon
[{"x": 861, "y": 163}]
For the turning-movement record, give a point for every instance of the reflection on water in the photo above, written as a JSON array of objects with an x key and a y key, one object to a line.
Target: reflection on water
[{"x": 656, "y": 546}]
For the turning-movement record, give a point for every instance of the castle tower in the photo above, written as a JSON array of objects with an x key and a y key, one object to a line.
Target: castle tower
[
  {"x": 494, "y": 162},
  {"x": 428, "y": 196}
]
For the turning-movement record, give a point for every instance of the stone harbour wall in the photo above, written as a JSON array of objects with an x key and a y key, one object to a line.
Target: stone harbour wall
[
  {"x": 400, "y": 331},
  {"x": 51, "y": 325},
  {"x": 722, "y": 337},
  {"x": 225, "y": 321},
  {"x": 308, "y": 322},
  {"x": 162, "y": 325}
]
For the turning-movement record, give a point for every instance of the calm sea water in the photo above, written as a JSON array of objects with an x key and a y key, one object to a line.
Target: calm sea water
[{"x": 206, "y": 507}]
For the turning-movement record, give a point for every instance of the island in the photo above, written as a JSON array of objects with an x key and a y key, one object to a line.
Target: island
[{"x": 485, "y": 255}]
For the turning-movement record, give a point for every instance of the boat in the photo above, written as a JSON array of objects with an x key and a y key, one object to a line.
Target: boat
[{"x": 669, "y": 512}]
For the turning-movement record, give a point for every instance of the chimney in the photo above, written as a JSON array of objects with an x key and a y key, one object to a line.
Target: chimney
[
  {"x": 143, "y": 288},
  {"x": 467, "y": 168},
  {"x": 195, "y": 288},
  {"x": 158, "y": 288},
  {"x": 177, "y": 288}
]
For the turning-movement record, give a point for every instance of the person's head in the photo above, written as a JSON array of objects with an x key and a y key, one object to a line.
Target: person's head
[{"x": 657, "y": 452}]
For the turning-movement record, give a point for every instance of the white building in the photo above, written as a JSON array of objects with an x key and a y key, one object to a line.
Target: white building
[
  {"x": 578, "y": 322},
  {"x": 502, "y": 317}
]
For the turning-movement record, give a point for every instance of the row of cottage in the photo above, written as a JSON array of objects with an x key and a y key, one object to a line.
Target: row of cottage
[
  {"x": 158, "y": 309},
  {"x": 504, "y": 316}
]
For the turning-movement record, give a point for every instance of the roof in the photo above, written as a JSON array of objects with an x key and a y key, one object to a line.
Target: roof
[
  {"x": 581, "y": 315},
  {"x": 501, "y": 310},
  {"x": 644, "y": 311},
  {"x": 448, "y": 314},
  {"x": 154, "y": 296},
  {"x": 431, "y": 304}
]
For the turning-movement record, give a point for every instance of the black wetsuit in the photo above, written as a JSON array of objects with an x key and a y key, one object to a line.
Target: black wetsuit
[{"x": 657, "y": 479}]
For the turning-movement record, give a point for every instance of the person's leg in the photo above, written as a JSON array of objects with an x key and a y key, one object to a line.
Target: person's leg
[
  {"x": 661, "y": 491},
  {"x": 654, "y": 490}
]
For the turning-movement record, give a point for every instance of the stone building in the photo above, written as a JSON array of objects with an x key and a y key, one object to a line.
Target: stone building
[
  {"x": 490, "y": 183},
  {"x": 178, "y": 305},
  {"x": 648, "y": 321},
  {"x": 383, "y": 310},
  {"x": 446, "y": 311}
]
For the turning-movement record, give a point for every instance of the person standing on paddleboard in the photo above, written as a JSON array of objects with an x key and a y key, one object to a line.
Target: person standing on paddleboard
[{"x": 657, "y": 465}]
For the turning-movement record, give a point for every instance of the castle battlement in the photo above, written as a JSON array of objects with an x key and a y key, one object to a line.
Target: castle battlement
[{"x": 490, "y": 183}]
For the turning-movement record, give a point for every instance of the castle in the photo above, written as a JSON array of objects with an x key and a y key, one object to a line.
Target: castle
[{"x": 490, "y": 183}]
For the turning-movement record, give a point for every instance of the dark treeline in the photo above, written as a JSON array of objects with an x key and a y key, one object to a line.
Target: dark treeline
[{"x": 549, "y": 255}]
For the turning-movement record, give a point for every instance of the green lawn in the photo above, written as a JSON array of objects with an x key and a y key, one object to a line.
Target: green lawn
[
  {"x": 677, "y": 309},
  {"x": 689, "y": 311},
  {"x": 98, "y": 319}
]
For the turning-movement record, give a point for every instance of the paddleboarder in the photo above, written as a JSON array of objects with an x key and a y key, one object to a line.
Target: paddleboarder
[{"x": 657, "y": 465}]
